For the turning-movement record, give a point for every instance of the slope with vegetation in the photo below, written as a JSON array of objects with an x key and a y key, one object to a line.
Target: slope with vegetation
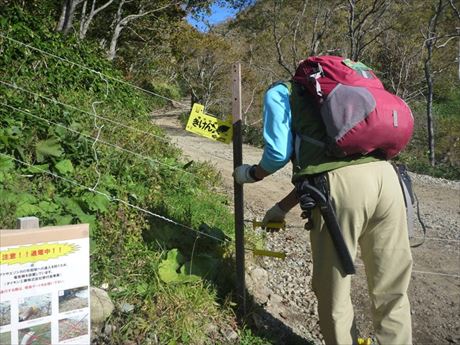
[{"x": 77, "y": 147}]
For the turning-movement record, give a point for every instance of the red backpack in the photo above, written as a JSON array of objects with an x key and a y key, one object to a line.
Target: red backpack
[{"x": 359, "y": 114}]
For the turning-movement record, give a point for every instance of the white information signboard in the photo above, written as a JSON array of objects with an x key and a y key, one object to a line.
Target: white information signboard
[{"x": 44, "y": 286}]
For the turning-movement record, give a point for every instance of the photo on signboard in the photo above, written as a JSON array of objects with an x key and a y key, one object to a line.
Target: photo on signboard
[
  {"x": 73, "y": 327},
  {"x": 72, "y": 299},
  {"x": 35, "y": 335},
  {"x": 5, "y": 313},
  {"x": 35, "y": 307},
  {"x": 5, "y": 338}
]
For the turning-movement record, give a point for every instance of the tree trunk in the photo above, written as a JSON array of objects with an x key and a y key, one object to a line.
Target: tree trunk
[
  {"x": 429, "y": 110},
  {"x": 430, "y": 43},
  {"x": 86, "y": 19},
  {"x": 60, "y": 24},
  {"x": 70, "y": 11},
  {"x": 120, "y": 22},
  {"x": 351, "y": 30},
  {"x": 458, "y": 58},
  {"x": 114, "y": 41},
  {"x": 84, "y": 24},
  {"x": 67, "y": 14}
]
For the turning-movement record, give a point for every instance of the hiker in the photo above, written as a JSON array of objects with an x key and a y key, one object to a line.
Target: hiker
[{"x": 366, "y": 196}]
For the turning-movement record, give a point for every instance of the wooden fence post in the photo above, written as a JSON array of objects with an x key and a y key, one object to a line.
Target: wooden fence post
[
  {"x": 238, "y": 192},
  {"x": 28, "y": 223}
]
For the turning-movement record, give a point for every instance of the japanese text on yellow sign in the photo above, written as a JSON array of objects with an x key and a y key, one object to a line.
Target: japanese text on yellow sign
[
  {"x": 34, "y": 253},
  {"x": 208, "y": 126}
]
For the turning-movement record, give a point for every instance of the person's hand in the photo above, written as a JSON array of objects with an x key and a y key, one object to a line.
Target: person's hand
[
  {"x": 242, "y": 174},
  {"x": 274, "y": 215}
]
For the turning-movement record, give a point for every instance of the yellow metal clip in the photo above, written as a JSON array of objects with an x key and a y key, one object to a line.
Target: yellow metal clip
[
  {"x": 362, "y": 341},
  {"x": 262, "y": 252},
  {"x": 271, "y": 225}
]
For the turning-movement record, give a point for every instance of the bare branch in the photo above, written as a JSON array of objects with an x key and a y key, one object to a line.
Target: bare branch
[
  {"x": 456, "y": 11},
  {"x": 446, "y": 42},
  {"x": 415, "y": 94},
  {"x": 251, "y": 101},
  {"x": 378, "y": 7},
  {"x": 296, "y": 26},
  {"x": 137, "y": 35},
  {"x": 362, "y": 47},
  {"x": 320, "y": 31},
  {"x": 86, "y": 20},
  {"x": 362, "y": 24},
  {"x": 120, "y": 22},
  {"x": 278, "y": 41}
]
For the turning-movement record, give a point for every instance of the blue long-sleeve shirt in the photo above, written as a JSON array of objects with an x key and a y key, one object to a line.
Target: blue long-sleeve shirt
[{"x": 277, "y": 132}]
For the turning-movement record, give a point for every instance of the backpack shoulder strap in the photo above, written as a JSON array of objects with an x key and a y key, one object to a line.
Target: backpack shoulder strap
[
  {"x": 300, "y": 136},
  {"x": 287, "y": 84}
]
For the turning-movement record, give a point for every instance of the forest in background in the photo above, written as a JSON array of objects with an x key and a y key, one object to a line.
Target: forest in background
[{"x": 412, "y": 45}]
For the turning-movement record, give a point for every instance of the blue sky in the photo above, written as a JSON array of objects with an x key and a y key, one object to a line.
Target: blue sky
[{"x": 218, "y": 14}]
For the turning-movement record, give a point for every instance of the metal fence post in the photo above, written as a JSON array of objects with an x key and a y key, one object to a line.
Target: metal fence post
[
  {"x": 238, "y": 191},
  {"x": 28, "y": 223}
]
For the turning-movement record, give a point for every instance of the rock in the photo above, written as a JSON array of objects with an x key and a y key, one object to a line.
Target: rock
[
  {"x": 109, "y": 330},
  {"x": 256, "y": 282},
  {"x": 101, "y": 308},
  {"x": 276, "y": 307},
  {"x": 231, "y": 336},
  {"x": 211, "y": 330},
  {"x": 176, "y": 104},
  {"x": 276, "y": 299},
  {"x": 259, "y": 276},
  {"x": 129, "y": 342},
  {"x": 127, "y": 308},
  {"x": 258, "y": 322},
  {"x": 262, "y": 294}
]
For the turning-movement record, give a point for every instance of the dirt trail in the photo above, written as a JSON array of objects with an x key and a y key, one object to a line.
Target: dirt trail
[{"x": 285, "y": 293}]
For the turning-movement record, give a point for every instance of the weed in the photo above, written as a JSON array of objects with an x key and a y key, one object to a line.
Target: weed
[{"x": 50, "y": 124}]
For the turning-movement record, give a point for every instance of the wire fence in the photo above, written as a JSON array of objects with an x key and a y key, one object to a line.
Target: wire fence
[
  {"x": 440, "y": 274},
  {"x": 150, "y": 213},
  {"x": 97, "y": 139},
  {"x": 55, "y": 101},
  {"x": 108, "y": 77},
  {"x": 112, "y": 198},
  {"x": 104, "y": 76}
]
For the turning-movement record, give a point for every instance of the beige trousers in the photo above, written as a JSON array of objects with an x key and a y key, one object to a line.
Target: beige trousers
[{"x": 371, "y": 212}]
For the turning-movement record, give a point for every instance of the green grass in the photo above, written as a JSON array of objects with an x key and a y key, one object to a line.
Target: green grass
[{"x": 128, "y": 245}]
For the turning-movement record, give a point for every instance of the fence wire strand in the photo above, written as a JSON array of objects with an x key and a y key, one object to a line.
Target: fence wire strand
[
  {"x": 52, "y": 100},
  {"x": 90, "y": 69},
  {"x": 89, "y": 137},
  {"x": 114, "y": 199}
]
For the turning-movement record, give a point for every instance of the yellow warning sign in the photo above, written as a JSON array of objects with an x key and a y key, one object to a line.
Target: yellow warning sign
[{"x": 209, "y": 126}]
